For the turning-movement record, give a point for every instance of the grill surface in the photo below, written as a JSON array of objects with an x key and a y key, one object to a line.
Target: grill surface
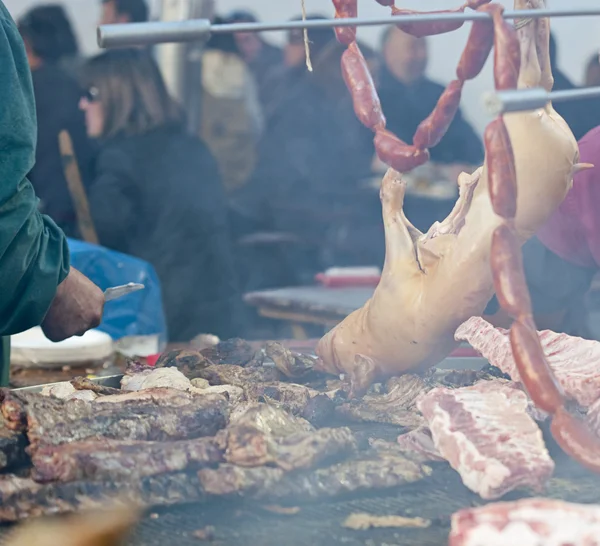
[{"x": 320, "y": 524}]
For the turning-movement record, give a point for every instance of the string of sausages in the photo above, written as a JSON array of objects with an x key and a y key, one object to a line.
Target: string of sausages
[
  {"x": 367, "y": 106},
  {"x": 570, "y": 432}
]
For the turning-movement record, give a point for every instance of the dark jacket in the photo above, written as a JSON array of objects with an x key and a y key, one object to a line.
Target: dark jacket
[
  {"x": 57, "y": 106},
  {"x": 34, "y": 257},
  {"x": 405, "y": 107},
  {"x": 313, "y": 147},
  {"x": 158, "y": 197},
  {"x": 581, "y": 115}
]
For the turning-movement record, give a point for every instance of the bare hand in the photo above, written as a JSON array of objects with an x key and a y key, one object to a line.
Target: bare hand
[{"x": 76, "y": 308}]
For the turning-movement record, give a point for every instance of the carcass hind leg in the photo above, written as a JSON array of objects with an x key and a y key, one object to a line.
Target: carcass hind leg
[{"x": 531, "y": 71}]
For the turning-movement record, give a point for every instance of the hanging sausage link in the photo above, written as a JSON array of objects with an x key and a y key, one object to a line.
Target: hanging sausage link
[
  {"x": 570, "y": 432},
  {"x": 390, "y": 149}
]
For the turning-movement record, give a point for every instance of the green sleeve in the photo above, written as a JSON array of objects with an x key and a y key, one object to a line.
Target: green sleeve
[{"x": 34, "y": 257}]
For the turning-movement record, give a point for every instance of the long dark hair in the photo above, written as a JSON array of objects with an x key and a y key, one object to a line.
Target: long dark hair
[
  {"x": 133, "y": 94},
  {"x": 48, "y": 32}
]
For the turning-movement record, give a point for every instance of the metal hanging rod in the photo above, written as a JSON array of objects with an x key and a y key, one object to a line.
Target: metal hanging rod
[
  {"x": 518, "y": 100},
  {"x": 160, "y": 32}
]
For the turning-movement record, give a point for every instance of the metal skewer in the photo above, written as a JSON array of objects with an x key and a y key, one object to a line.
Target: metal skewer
[
  {"x": 518, "y": 100},
  {"x": 197, "y": 29}
]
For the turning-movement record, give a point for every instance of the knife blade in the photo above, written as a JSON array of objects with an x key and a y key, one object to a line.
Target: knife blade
[{"x": 119, "y": 291}]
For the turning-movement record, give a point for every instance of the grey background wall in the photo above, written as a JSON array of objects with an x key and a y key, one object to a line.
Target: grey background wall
[{"x": 578, "y": 38}]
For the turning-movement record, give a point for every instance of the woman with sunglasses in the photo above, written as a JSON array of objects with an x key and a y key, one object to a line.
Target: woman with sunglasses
[{"x": 156, "y": 193}]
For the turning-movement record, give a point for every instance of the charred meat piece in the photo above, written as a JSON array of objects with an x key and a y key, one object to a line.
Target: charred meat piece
[
  {"x": 98, "y": 460},
  {"x": 396, "y": 407},
  {"x": 12, "y": 447},
  {"x": 268, "y": 420},
  {"x": 149, "y": 418},
  {"x": 84, "y": 384},
  {"x": 274, "y": 484},
  {"x": 231, "y": 351},
  {"x": 248, "y": 447},
  {"x": 288, "y": 363},
  {"x": 532, "y": 522},
  {"x": 226, "y": 374},
  {"x": 169, "y": 378},
  {"x": 22, "y": 498},
  {"x": 189, "y": 363},
  {"x": 319, "y": 410},
  {"x": 13, "y": 409},
  {"x": 488, "y": 438},
  {"x": 288, "y": 396},
  {"x": 419, "y": 443}
]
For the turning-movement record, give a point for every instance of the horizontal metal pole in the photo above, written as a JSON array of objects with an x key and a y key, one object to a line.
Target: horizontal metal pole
[
  {"x": 518, "y": 100},
  {"x": 197, "y": 29}
]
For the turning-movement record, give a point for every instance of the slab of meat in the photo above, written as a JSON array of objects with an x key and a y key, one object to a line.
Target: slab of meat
[
  {"x": 66, "y": 391},
  {"x": 488, "y": 438},
  {"x": 573, "y": 360},
  {"x": 268, "y": 419},
  {"x": 163, "y": 397},
  {"x": 396, "y": 407},
  {"x": 226, "y": 374},
  {"x": 142, "y": 418},
  {"x": 85, "y": 384},
  {"x": 12, "y": 447},
  {"x": 527, "y": 522},
  {"x": 248, "y": 447},
  {"x": 287, "y": 362},
  {"x": 420, "y": 443},
  {"x": 375, "y": 473},
  {"x": 287, "y": 396},
  {"x": 170, "y": 378},
  {"x": 189, "y": 363},
  {"x": 231, "y": 351},
  {"x": 22, "y": 498},
  {"x": 98, "y": 460}
]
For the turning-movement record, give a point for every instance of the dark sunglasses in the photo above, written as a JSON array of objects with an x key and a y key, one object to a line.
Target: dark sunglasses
[{"x": 91, "y": 94}]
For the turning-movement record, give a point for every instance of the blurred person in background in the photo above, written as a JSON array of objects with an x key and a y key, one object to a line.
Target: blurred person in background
[
  {"x": 57, "y": 97},
  {"x": 116, "y": 12},
  {"x": 408, "y": 97},
  {"x": 592, "y": 72},
  {"x": 313, "y": 154},
  {"x": 581, "y": 115},
  {"x": 231, "y": 117},
  {"x": 264, "y": 59},
  {"x": 157, "y": 194}
]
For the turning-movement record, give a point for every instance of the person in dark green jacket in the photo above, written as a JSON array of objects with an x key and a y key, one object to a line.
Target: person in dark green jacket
[{"x": 38, "y": 286}]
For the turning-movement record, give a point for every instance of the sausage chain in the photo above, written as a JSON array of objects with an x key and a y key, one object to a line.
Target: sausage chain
[
  {"x": 390, "y": 149},
  {"x": 570, "y": 432}
]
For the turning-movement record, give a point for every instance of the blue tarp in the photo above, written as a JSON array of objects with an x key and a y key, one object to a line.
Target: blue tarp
[{"x": 137, "y": 314}]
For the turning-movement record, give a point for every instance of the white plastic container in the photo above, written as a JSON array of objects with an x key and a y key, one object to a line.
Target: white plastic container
[{"x": 32, "y": 349}]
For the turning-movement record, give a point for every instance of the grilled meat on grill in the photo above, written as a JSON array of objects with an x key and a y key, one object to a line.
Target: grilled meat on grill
[
  {"x": 189, "y": 363},
  {"x": 98, "y": 460},
  {"x": 22, "y": 498},
  {"x": 231, "y": 351},
  {"x": 248, "y": 447},
  {"x": 84, "y": 384},
  {"x": 143, "y": 418},
  {"x": 228, "y": 374},
  {"x": 264, "y": 483},
  {"x": 12, "y": 447},
  {"x": 288, "y": 363}
]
